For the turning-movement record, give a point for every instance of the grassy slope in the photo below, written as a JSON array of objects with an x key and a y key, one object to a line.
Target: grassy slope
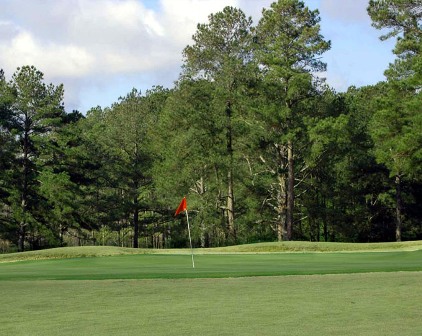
[
  {"x": 301, "y": 246},
  {"x": 294, "y": 246}
]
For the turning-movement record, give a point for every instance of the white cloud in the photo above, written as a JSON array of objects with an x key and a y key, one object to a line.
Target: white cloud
[
  {"x": 95, "y": 37},
  {"x": 98, "y": 47},
  {"x": 60, "y": 60},
  {"x": 182, "y": 16},
  {"x": 99, "y": 38}
]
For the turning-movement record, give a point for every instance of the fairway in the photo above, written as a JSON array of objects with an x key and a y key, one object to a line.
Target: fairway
[
  {"x": 352, "y": 293},
  {"x": 354, "y": 304}
]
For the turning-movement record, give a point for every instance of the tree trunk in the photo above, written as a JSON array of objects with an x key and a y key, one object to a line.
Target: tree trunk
[
  {"x": 230, "y": 193},
  {"x": 24, "y": 196},
  {"x": 281, "y": 208},
  {"x": 281, "y": 195},
  {"x": 135, "y": 222},
  {"x": 230, "y": 209},
  {"x": 135, "y": 198},
  {"x": 398, "y": 208},
  {"x": 21, "y": 237},
  {"x": 290, "y": 190}
]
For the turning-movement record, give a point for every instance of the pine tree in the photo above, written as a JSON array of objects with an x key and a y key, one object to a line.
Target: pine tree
[{"x": 288, "y": 48}]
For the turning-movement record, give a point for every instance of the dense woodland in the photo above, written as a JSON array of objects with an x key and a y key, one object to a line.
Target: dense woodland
[{"x": 261, "y": 146}]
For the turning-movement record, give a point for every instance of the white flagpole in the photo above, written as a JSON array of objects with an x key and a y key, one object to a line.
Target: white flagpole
[{"x": 190, "y": 240}]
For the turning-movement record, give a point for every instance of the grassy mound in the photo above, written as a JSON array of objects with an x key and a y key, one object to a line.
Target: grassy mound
[
  {"x": 303, "y": 246},
  {"x": 69, "y": 252},
  {"x": 274, "y": 247}
]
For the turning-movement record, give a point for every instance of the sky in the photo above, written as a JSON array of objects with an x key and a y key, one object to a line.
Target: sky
[{"x": 101, "y": 49}]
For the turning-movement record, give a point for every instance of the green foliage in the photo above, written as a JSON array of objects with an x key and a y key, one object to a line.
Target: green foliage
[
  {"x": 396, "y": 122},
  {"x": 287, "y": 51},
  {"x": 396, "y": 129},
  {"x": 261, "y": 147},
  {"x": 32, "y": 113},
  {"x": 396, "y": 15},
  {"x": 217, "y": 70}
]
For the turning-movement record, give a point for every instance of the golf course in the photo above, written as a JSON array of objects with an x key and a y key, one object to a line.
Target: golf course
[{"x": 289, "y": 288}]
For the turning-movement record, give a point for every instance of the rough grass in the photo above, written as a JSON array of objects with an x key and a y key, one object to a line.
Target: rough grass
[{"x": 274, "y": 247}]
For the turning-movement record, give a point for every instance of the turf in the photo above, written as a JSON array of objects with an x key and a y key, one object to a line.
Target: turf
[
  {"x": 210, "y": 266},
  {"x": 272, "y": 247},
  {"x": 241, "y": 290},
  {"x": 344, "y": 304}
]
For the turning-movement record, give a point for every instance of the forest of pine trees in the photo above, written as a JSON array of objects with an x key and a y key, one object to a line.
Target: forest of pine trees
[{"x": 262, "y": 148}]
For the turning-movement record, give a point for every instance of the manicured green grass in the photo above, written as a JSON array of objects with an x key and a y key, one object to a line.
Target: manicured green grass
[
  {"x": 367, "y": 304},
  {"x": 151, "y": 266},
  {"x": 273, "y": 247},
  {"x": 240, "y": 290}
]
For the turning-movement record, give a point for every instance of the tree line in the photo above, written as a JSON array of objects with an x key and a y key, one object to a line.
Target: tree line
[{"x": 261, "y": 146}]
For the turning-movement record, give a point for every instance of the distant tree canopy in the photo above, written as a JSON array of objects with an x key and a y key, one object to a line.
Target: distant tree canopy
[{"x": 262, "y": 147}]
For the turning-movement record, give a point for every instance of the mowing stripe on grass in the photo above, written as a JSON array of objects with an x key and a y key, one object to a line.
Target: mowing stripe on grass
[{"x": 210, "y": 266}]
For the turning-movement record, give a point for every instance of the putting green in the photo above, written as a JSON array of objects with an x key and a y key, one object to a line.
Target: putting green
[{"x": 210, "y": 265}]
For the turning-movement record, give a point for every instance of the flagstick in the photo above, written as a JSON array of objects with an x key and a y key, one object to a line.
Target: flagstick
[{"x": 190, "y": 240}]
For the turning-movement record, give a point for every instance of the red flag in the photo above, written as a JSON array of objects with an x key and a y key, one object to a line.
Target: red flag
[{"x": 182, "y": 206}]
